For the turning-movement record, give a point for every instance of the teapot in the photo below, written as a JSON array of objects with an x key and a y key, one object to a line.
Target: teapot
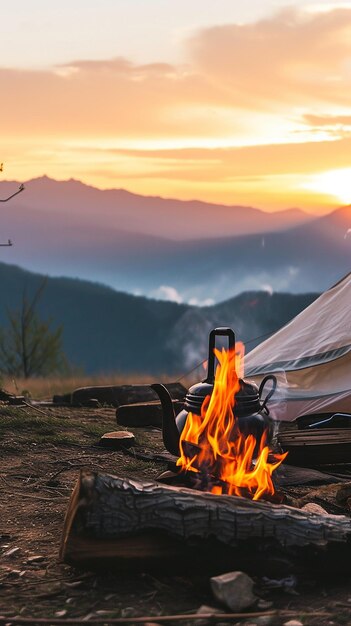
[{"x": 250, "y": 411}]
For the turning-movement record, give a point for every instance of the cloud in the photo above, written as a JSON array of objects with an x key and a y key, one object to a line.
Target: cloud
[
  {"x": 250, "y": 101},
  {"x": 328, "y": 120},
  {"x": 293, "y": 57},
  {"x": 199, "y": 302}
]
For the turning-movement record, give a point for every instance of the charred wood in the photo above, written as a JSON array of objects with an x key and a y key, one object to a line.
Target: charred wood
[{"x": 132, "y": 521}]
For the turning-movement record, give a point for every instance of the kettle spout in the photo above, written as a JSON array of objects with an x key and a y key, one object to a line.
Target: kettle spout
[{"x": 170, "y": 432}]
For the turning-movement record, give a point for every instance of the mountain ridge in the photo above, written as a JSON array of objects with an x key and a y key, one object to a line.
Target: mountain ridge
[
  {"x": 55, "y": 234},
  {"x": 111, "y": 331}
]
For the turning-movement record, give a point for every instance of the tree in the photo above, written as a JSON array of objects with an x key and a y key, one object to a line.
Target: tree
[{"x": 29, "y": 347}]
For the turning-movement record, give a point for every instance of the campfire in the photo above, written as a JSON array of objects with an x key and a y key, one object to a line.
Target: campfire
[
  {"x": 220, "y": 448},
  {"x": 213, "y": 446}
]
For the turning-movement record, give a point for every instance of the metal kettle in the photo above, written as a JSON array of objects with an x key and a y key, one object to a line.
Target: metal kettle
[{"x": 250, "y": 411}]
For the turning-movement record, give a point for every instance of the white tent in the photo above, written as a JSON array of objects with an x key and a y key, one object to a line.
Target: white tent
[{"x": 311, "y": 357}]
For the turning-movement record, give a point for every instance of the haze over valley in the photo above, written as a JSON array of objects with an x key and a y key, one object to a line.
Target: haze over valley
[{"x": 189, "y": 252}]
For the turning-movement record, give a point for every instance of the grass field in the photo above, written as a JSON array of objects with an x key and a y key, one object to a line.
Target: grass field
[{"x": 45, "y": 388}]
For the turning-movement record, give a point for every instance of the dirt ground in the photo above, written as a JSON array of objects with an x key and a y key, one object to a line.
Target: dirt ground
[{"x": 41, "y": 452}]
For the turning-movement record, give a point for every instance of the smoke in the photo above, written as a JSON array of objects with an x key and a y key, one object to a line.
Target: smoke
[
  {"x": 199, "y": 302},
  {"x": 166, "y": 292}
]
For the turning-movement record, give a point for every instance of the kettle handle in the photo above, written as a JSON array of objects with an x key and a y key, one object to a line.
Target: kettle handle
[
  {"x": 269, "y": 394},
  {"x": 222, "y": 332}
]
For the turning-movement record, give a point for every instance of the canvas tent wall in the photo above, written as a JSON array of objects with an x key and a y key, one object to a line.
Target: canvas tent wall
[{"x": 311, "y": 357}]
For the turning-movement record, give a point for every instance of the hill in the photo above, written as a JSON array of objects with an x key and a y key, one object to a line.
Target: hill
[
  {"x": 107, "y": 331},
  {"x": 113, "y": 237}
]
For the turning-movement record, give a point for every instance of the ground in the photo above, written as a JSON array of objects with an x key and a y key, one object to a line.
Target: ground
[{"x": 41, "y": 452}]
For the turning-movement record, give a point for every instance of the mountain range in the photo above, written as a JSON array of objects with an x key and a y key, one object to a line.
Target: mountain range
[
  {"x": 109, "y": 331},
  {"x": 187, "y": 251}
]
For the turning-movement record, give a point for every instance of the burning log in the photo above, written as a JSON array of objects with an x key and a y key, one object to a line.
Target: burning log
[{"x": 132, "y": 522}]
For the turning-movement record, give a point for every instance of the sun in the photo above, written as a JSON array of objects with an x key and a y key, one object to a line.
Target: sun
[{"x": 335, "y": 183}]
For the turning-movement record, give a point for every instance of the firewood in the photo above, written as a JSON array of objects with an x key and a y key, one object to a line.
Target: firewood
[
  {"x": 143, "y": 413},
  {"x": 130, "y": 521},
  {"x": 117, "y": 440},
  {"x": 116, "y": 395}
]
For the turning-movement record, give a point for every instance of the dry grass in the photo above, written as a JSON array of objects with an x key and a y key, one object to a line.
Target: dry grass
[{"x": 45, "y": 388}]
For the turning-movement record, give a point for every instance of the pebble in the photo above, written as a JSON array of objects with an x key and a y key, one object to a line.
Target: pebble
[
  {"x": 206, "y": 610},
  {"x": 312, "y": 507},
  {"x": 234, "y": 590}
]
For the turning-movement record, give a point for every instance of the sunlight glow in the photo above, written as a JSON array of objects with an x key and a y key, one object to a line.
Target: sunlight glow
[{"x": 335, "y": 183}]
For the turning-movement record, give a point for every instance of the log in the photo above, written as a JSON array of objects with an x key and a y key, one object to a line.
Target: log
[
  {"x": 143, "y": 413},
  {"x": 116, "y": 395},
  {"x": 130, "y": 520}
]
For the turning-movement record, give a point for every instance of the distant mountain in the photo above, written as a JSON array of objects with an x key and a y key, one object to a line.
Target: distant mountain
[
  {"x": 113, "y": 237},
  {"x": 109, "y": 331},
  {"x": 121, "y": 211}
]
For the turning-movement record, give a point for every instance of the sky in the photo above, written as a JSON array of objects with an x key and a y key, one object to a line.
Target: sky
[{"x": 235, "y": 102}]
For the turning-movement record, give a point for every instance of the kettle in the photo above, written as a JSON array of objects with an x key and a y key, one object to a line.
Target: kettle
[{"x": 251, "y": 413}]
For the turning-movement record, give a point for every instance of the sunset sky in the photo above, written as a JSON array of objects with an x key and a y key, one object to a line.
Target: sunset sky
[{"x": 232, "y": 101}]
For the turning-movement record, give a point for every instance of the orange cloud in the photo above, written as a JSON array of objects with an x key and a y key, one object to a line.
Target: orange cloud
[
  {"x": 253, "y": 105},
  {"x": 294, "y": 57}
]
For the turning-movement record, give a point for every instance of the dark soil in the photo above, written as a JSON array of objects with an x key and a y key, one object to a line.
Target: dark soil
[{"x": 41, "y": 454}]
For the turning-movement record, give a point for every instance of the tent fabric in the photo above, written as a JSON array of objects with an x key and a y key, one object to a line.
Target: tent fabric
[{"x": 311, "y": 357}]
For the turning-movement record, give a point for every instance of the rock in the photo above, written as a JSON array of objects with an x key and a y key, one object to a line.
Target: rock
[
  {"x": 205, "y": 610},
  {"x": 293, "y": 622},
  {"x": 234, "y": 590},
  {"x": 312, "y": 507}
]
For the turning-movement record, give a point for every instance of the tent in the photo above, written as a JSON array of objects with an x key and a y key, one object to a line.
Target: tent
[{"x": 311, "y": 357}]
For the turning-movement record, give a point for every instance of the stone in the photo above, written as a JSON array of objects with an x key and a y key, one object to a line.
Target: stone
[
  {"x": 293, "y": 622},
  {"x": 312, "y": 507},
  {"x": 234, "y": 590},
  {"x": 206, "y": 610}
]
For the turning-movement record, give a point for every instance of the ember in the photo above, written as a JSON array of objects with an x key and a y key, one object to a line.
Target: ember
[{"x": 213, "y": 446}]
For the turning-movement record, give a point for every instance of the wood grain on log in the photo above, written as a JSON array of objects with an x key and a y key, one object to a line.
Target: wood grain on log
[{"x": 106, "y": 509}]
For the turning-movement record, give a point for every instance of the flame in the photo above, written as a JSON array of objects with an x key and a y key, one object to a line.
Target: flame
[{"x": 212, "y": 446}]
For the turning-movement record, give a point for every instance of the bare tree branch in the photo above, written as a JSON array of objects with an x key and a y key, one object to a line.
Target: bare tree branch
[{"x": 20, "y": 188}]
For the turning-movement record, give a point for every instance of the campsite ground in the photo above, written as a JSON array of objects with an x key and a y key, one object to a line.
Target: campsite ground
[{"x": 41, "y": 453}]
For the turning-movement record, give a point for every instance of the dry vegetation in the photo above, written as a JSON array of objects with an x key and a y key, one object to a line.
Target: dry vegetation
[
  {"x": 41, "y": 453},
  {"x": 45, "y": 388}
]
